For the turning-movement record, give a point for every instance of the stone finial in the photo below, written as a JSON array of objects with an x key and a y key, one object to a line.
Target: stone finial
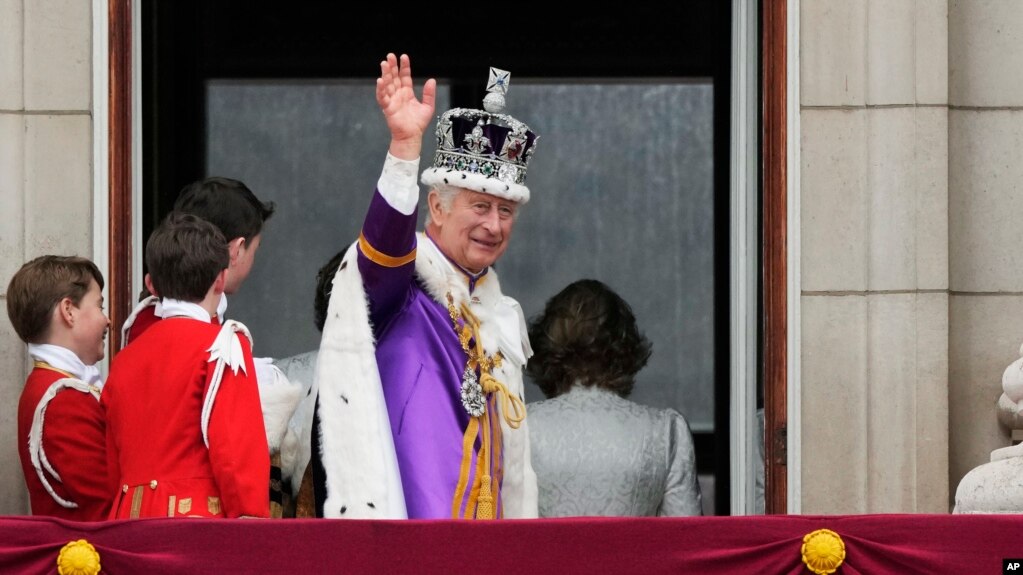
[
  {"x": 1010, "y": 406},
  {"x": 995, "y": 487}
]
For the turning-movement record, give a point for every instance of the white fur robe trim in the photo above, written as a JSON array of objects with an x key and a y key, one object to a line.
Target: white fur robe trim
[
  {"x": 296, "y": 445},
  {"x": 475, "y": 181},
  {"x": 278, "y": 398},
  {"x": 35, "y": 435},
  {"x": 357, "y": 448}
]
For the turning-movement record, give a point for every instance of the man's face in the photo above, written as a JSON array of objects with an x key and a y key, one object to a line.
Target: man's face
[
  {"x": 475, "y": 231},
  {"x": 243, "y": 254}
]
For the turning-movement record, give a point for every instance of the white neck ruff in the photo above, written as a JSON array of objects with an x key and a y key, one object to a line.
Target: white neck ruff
[
  {"x": 64, "y": 359},
  {"x": 178, "y": 308}
]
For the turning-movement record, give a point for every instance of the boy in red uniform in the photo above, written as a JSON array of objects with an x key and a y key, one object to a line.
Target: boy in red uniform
[
  {"x": 232, "y": 207},
  {"x": 185, "y": 433},
  {"x": 55, "y": 304}
]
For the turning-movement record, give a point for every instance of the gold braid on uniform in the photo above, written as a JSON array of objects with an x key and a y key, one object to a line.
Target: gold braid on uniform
[{"x": 485, "y": 488}]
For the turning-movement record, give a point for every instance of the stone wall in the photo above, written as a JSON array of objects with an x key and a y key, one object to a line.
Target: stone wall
[
  {"x": 985, "y": 193},
  {"x": 874, "y": 264},
  {"x": 45, "y": 173}
]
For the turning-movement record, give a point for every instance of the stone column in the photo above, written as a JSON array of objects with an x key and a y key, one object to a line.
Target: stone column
[
  {"x": 874, "y": 244},
  {"x": 985, "y": 220},
  {"x": 45, "y": 173}
]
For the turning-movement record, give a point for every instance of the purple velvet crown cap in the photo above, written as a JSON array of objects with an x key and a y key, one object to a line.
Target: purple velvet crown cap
[{"x": 483, "y": 150}]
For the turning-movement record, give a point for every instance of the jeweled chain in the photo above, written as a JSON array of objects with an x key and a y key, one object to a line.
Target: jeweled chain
[{"x": 474, "y": 360}]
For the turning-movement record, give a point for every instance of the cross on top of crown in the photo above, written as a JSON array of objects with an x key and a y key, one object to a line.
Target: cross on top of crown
[
  {"x": 497, "y": 87},
  {"x": 499, "y": 80}
]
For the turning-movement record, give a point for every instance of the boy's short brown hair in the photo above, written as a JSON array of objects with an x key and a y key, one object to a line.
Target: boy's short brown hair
[
  {"x": 184, "y": 255},
  {"x": 40, "y": 285},
  {"x": 226, "y": 203}
]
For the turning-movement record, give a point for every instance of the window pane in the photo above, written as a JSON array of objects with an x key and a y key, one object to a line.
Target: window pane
[
  {"x": 622, "y": 191},
  {"x": 316, "y": 149}
]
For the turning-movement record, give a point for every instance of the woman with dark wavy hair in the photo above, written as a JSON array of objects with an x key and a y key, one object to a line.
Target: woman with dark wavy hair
[{"x": 595, "y": 452}]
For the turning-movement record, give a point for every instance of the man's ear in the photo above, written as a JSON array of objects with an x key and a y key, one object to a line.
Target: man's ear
[
  {"x": 235, "y": 248},
  {"x": 148, "y": 280},
  {"x": 436, "y": 208},
  {"x": 221, "y": 282}
]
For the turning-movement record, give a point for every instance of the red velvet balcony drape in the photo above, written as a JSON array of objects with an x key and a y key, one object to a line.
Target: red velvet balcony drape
[{"x": 706, "y": 545}]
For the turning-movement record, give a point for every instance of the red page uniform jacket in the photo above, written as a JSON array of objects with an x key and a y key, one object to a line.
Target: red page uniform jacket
[
  {"x": 176, "y": 451},
  {"x": 72, "y": 438}
]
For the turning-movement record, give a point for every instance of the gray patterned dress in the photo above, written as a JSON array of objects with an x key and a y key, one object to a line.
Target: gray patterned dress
[{"x": 596, "y": 453}]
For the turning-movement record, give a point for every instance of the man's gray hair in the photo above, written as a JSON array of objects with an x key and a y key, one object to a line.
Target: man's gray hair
[{"x": 447, "y": 194}]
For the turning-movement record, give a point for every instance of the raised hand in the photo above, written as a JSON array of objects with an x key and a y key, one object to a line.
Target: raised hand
[{"x": 407, "y": 118}]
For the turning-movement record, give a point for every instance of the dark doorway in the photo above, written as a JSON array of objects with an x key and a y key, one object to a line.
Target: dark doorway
[{"x": 189, "y": 46}]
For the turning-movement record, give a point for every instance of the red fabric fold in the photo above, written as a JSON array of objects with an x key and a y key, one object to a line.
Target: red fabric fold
[{"x": 874, "y": 544}]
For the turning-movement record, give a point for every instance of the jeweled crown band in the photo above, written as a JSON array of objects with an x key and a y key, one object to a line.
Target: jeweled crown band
[{"x": 490, "y": 168}]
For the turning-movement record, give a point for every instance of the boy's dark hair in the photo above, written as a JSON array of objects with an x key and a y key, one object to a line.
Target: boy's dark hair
[
  {"x": 228, "y": 204},
  {"x": 324, "y": 287},
  {"x": 39, "y": 286},
  {"x": 586, "y": 334},
  {"x": 184, "y": 255}
]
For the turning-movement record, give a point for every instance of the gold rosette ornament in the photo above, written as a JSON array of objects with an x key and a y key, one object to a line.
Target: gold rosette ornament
[
  {"x": 823, "y": 551},
  {"x": 78, "y": 558}
]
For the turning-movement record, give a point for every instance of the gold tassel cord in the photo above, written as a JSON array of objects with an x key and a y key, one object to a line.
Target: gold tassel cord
[
  {"x": 470, "y": 505},
  {"x": 512, "y": 408},
  {"x": 496, "y": 444},
  {"x": 510, "y": 404},
  {"x": 485, "y": 496},
  {"x": 463, "y": 474},
  {"x": 485, "y": 503},
  {"x": 486, "y": 486}
]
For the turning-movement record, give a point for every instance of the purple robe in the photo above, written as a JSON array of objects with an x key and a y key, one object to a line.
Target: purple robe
[{"x": 420, "y": 361}]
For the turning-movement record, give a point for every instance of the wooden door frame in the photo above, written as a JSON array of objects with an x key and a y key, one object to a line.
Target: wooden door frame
[
  {"x": 774, "y": 254},
  {"x": 120, "y": 288},
  {"x": 774, "y": 250}
]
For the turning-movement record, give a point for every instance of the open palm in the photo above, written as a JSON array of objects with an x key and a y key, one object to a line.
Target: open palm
[{"x": 407, "y": 118}]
